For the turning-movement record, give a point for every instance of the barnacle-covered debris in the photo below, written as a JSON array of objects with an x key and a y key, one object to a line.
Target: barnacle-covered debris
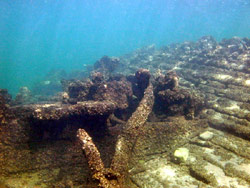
[
  {"x": 180, "y": 102},
  {"x": 106, "y": 178},
  {"x": 217, "y": 72},
  {"x": 97, "y": 77},
  {"x": 125, "y": 141},
  {"x": 142, "y": 76},
  {"x": 171, "y": 100},
  {"x": 58, "y": 111},
  {"x": 133, "y": 127},
  {"x": 118, "y": 92},
  {"x": 168, "y": 81},
  {"x": 77, "y": 90}
]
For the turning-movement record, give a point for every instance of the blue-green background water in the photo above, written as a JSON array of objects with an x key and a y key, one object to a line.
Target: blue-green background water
[{"x": 38, "y": 35}]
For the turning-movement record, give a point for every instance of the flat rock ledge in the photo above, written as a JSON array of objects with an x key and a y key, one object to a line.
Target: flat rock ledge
[{"x": 217, "y": 162}]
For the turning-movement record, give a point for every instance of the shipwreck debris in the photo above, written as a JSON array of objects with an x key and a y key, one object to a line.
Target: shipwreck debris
[
  {"x": 124, "y": 145},
  {"x": 206, "y": 70},
  {"x": 107, "y": 178}
]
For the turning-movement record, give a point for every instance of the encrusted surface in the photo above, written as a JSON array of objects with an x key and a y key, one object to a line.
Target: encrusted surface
[
  {"x": 218, "y": 162},
  {"x": 56, "y": 111},
  {"x": 217, "y": 141}
]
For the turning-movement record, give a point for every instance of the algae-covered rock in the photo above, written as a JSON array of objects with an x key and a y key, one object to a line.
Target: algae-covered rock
[
  {"x": 181, "y": 154},
  {"x": 207, "y": 135}
]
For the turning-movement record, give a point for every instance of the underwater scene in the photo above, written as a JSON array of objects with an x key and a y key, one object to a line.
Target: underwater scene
[{"x": 125, "y": 94}]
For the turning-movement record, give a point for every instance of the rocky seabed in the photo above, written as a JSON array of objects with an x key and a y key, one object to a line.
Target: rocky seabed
[{"x": 209, "y": 148}]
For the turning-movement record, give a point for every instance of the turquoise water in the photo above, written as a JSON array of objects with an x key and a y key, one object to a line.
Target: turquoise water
[{"x": 39, "y": 35}]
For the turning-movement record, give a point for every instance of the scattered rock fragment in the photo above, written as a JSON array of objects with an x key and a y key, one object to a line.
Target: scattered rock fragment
[
  {"x": 207, "y": 135},
  {"x": 181, "y": 155}
]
